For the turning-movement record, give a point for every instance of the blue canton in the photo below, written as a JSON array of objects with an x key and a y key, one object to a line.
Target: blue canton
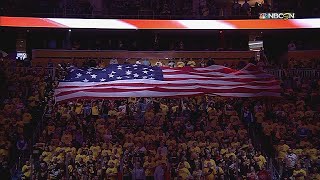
[{"x": 114, "y": 72}]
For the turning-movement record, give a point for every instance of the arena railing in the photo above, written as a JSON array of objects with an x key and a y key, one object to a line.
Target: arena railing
[
  {"x": 300, "y": 72},
  {"x": 142, "y": 16}
]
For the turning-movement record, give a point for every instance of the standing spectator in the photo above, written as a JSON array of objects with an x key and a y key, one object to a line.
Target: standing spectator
[
  {"x": 183, "y": 171},
  {"x": 138, "y": 172},
  {"x": 197, "y": 173},
  {"x": 290, "y": 159},
  {"x": 4, "y": 169},
  {"x": 299, "y": 173},
  {"x": 26, "y": 170},
  {"x": 162, "y": 150},
  {"x": 291, "y": 46},
  {"x": 248, "y": 116},
  {"x": 112, "y": 172},
  {"x": 263, "y": 174},
  {"x": 246, "y": 7},
  {"x": 209, "y": 171},
  {"x": 159, "y": 172},
  {"x": 252, "y": 175},
  {"x": 266, "y": 6},
  {"x": 236, "y": 7},
  {"x": 22, "y": 145}
]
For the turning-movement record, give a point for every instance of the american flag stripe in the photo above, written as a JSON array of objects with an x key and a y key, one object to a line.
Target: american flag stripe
[
  {"x": 172, "y": 89},
  {"x": 217, "y": 80},
  {"x": 152, "y": 83}
]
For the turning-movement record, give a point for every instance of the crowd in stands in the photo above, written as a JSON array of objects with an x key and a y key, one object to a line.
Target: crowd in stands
[
  {"x": 188, "y": 138},
  {"x": 160, "y": 8},
  {"x": 20, "y": 109},
  {"x": 200, "y": 137},
  {"x": 294, "y": 128}
]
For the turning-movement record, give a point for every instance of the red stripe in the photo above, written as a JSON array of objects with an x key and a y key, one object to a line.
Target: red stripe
[
  {"x": 175, "y": 97},
  {"x": 154, "y": 24},
  {"x": 247, "y": 80},
  {"x": 28, "y": 22},
  {"x": 272, "y": 83},
  {"x": 263, "y": 24},
  {"x": 159, "y": 89},
  {"x": 203, "y": 70}
]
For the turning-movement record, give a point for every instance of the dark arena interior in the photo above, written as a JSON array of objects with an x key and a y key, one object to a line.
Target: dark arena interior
[{"x": 160, "y": 90}]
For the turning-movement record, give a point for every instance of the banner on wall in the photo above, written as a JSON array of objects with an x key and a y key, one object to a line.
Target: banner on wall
[{"x": 158, "y": 24}]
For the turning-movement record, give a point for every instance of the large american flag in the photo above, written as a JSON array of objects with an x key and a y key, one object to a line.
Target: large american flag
[{"x": 133, "y": 80}]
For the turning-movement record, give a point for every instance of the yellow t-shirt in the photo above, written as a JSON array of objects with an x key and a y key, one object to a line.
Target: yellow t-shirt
[
  {"x": 187, "y": 165},
  {"x": 196, "y": 150},
  {"x": 95, "y": 110},
  {"x": 112, "y": 113},
  {"x": 261, "y": 161},
  {"x": 174, "y": 108},
  {"x": 211, "y": 161},
  {"x": 180, "y": 64},
  {"x": 115, "y": 162},
  {"x": 283, "y": 149},
  {"x": 26, "y": 117},
  {"x": 148, "y": 166},
  {"x": 164, "y": 108},
  {"x": 302, "y": 172},
  {"x": 184, "y": 173},
  {"x": 26, "y": 170},
  {"x": 78, "y": 108},
  {"x": 211, "y": 175},
  {"x": 315, "y": 176},
  {"x": 112, "y": 173},
  {"x": 191, "y": 63}
]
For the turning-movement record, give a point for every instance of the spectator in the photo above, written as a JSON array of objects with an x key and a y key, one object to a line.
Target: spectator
[
  {"x": 236, "y": 7},
  {"x": 299, "y": 173},
  {"x": 252, "y": 174},
  {"x": 263, "y": 174},
  {"x": 138, "y": 172},
  {"x": 246, "y": 7},
  {"x": 22, "y": 145},
  {"x": 26, "y": 170},
  {"x": 159, "y": 173},
  {"x": 112, "y": 171},
  {"x": 266, "y": 6},
  {"x": 291, "y": 46}
]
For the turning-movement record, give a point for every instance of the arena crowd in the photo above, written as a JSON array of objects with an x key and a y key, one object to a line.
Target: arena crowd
[{"x": 202, "y": 137}]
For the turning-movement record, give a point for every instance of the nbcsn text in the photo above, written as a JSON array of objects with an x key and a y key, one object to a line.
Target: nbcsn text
[{"x": 277, "y": 16}]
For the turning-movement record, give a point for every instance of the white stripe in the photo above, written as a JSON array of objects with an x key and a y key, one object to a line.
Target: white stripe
[
  {"x": 206, "y": 24},
  {"x": 93, "y": 23},
  {"x": 193, "y": 87},
  {"x": 169, "y": 70},
  {"x": 307, "y": 23},
  {"x": 264, "y": 93},
  {"x": 231, "y": 75},
  {"x": 124, "y": 94}
]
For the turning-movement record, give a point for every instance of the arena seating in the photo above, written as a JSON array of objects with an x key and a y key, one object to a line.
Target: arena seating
[
  {"x": 182, "y": 138},
  {"x": 22, "y": 92},
  {"x": 292, "y": 125}
]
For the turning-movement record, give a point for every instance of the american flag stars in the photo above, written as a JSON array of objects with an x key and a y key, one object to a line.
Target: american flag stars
[{"x": 114, "y": 73}]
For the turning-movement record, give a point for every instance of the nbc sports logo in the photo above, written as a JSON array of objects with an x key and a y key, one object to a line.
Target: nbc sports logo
[
  {"x": 262, "y": 16},
  {"x": 284, "y": 16}
]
